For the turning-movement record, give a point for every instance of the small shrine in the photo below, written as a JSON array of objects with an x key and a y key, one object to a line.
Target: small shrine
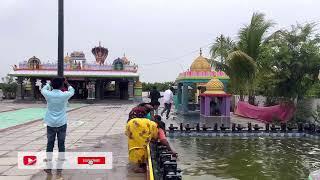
[
  {"x": 192, "y": 83},
  {"x": 215, "y": 102}
]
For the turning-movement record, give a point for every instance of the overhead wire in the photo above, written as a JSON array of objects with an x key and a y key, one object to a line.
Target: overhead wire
[{"x": 173, "y": 59}]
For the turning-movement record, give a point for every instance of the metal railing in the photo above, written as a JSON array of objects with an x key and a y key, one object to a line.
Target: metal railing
[{"x": 164, "y": 163}]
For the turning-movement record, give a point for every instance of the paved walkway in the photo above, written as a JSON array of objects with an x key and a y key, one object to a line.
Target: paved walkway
[{"x": 91, "y": 128}]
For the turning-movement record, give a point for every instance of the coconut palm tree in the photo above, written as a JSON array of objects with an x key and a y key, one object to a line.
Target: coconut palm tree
[
  {"x": 241, "y": 69},
  {"x": 221, "y": 48},
  {"x": 224, "y": 52},
  {"x": 251, "y": 37}
]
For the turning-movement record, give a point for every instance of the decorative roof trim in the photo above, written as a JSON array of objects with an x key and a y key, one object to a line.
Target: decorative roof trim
[
  {"x": 216, "y": 95},
  {"x": 42, "y": 73}
]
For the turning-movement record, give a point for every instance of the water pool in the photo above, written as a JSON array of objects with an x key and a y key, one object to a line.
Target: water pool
[
  {"x": 246, "y": 159},
  {"x": 21, "y": 116}
]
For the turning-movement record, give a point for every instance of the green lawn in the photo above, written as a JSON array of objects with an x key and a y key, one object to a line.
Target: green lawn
[{"x": 12, "y": 118}]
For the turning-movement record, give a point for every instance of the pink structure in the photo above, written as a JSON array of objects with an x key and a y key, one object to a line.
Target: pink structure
[
  {"x": 214, "y": 102},
  {"x": 282, "y": 112}
]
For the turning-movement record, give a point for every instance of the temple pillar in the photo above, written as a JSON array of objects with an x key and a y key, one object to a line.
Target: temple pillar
[
  {"x": 20, "y": 89},
  {"x": 228, "y": 102},
  {"x": 33, "y": 89},
  {"x": 223, "y": 107},
  {"x": 202, "y": 105},
  {"x": 91, "y": 90},
  {"x": 185, "y": 98},
  {"x": 207, "y": 107},
  {"x": 179, "y": 96},
  {"x": 130, "y": 90},
  {"x": 99, "y": 89},
  {"x": 117, "y": 88}
]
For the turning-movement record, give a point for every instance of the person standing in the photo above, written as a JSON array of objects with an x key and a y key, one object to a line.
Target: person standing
[
  {"x": 154, "y": 97},
  {"x": 168, "y": 101},
  {"x": 56, "y": 116}
]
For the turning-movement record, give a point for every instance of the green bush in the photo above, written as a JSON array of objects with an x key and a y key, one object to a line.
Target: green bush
[
  {"x": 160, "y": 86},
  {"x": 9, "y": 88}
]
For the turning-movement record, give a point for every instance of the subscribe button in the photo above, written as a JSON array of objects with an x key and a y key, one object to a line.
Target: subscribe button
[
  {"x": 65, "y": 160},
  {"x": 91, "y": 160}
]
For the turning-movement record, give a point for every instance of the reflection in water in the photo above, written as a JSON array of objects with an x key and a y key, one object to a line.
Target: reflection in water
[{"x": 251, "y": 158}]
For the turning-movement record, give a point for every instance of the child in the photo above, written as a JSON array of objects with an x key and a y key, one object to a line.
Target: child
[{"x": 162, "y": 133}]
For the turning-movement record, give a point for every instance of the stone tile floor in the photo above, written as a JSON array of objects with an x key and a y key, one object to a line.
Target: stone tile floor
[{"x": 98, "y": 127}]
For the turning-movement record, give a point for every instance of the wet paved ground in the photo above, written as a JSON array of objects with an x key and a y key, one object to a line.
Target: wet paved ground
[{"x": 92, "y": 128}]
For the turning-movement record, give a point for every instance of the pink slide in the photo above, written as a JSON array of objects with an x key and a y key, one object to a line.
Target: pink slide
[{"x": 265, "y": 114}]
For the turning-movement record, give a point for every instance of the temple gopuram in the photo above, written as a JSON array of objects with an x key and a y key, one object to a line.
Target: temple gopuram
[{"x": 97, "y": 80}]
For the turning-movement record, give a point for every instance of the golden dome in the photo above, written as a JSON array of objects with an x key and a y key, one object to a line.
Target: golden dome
[
  {"x": 214, "y": 86},
  {"x": 66, "y": 59},
  {"x": 138, "y": 84},
  {"x": 200, "y": 64}
]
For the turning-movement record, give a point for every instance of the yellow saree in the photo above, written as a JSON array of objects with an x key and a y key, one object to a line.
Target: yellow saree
[{"x": 140, "y": 131}]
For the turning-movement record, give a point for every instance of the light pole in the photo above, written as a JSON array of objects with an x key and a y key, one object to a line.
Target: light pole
[{"x": 60, "y": 38}]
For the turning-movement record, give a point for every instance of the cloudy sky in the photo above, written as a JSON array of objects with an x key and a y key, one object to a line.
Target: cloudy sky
[{"x": 162, "y": 36}]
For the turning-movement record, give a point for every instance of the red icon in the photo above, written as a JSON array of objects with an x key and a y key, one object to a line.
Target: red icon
[
  {"x": 29, "y": 160},
  {"x": 91, "y": 160}
]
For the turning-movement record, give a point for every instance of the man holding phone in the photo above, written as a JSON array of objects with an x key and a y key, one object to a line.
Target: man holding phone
[{"x": 56, "y": 115}]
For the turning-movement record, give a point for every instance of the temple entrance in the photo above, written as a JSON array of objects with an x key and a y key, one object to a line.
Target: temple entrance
[
  {"x": 110, "y": 89},
  {"x": 114, "y": 89},
  {"x": 81, "y": 91}
]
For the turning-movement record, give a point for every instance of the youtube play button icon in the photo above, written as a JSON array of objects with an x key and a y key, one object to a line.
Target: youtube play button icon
[{"x": 29, "y": 160}]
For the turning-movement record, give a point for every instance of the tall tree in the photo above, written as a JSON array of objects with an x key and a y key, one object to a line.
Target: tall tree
[
  {"x": 296, "y": 61},
  {"x": 241, "y": 69},
  {"x": 251, "y": 38},
  {"x": 221, "y": 48},
  {"x": 253, "y": 35}
]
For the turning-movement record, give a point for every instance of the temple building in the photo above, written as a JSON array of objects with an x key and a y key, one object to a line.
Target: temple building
[
  {"x": 97, "y": 80},
  {"x": 193, "y": 82}
]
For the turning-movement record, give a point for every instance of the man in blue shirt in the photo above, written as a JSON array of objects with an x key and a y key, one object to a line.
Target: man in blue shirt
[{"x": 56, "y": 116}]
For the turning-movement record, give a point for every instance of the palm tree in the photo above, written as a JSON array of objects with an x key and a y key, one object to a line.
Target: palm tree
[
  {"x": 226, "y": 54},
  {"x": 221, "y": 48},
  {"x": 251, "y": 37},
  {"x": 241, "y": 69}
]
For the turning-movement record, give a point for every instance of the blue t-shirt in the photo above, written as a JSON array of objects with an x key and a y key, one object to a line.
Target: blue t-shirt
[{"x": 57, "y": 100}]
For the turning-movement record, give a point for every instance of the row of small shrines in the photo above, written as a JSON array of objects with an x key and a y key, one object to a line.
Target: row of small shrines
[
  {"x": 77, "y": 64},
  {"x": 77, "y": 61}
]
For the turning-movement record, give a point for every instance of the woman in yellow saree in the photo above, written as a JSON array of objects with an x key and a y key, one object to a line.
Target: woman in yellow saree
[{"x": 140, "y": 132}]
